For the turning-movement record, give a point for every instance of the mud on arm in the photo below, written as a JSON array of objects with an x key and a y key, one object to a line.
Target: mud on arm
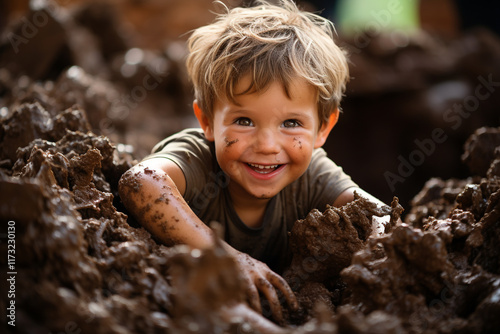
[{"x": 150, "y": 192}]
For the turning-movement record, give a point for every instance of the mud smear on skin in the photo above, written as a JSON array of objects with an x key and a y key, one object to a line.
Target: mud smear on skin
[
  {"x": 82, "y": 263},
  {"x": 229, "y": 143},
  {"x": 298, "y": 141}
]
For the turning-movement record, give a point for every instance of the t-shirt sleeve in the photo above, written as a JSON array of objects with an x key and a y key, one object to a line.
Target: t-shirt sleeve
[
  {"x": 192, "y": 152},
  {"x": 326, "y": 180}
]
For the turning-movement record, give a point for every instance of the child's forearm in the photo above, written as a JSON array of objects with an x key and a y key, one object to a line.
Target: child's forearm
[{"x": 153, "y": 199}]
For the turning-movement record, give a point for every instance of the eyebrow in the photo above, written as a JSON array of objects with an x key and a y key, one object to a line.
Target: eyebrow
[
  {"x": 298, "y": 114},
  {"x": 295, "y": 114},
  {"x": 237, "y": 110}
]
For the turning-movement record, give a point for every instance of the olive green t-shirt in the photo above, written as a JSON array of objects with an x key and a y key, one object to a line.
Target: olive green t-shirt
[{"x": 208, "y": 196}]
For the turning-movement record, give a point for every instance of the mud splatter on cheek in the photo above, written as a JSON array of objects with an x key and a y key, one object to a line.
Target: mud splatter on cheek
[{"x": 297, "y": 142}]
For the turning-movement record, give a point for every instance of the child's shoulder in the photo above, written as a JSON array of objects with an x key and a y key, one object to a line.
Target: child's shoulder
[
  {"x": 187, "y": 137},
  {"x": 189, "y": 133}
]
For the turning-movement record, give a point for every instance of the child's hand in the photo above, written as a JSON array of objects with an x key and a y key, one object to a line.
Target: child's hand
[{"x": 260, "y": 278}]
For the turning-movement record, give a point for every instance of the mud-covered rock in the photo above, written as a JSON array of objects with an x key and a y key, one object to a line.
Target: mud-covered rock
[
  {"x": 207, "y": 283},
  {"x": 479, "y": 150},
  {"x": 27, "y": 123}
]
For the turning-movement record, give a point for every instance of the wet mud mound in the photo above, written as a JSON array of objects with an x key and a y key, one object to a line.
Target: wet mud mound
[
  {"x": 84, "y": 264},
  {"x": 81, "y": 265},
  {"x": 436, "y": 272},
  {"x": 323, "y": 244}
]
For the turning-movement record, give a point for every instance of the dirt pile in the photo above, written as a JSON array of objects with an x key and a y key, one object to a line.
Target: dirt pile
[
  {"x": 80, "y": 264},
  {"x": 323, "y": 244},
  {"x": 429, "y": 274}
]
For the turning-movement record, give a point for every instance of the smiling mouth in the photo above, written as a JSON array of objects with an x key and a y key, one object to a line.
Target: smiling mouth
[{"x": 263, "y": 169}]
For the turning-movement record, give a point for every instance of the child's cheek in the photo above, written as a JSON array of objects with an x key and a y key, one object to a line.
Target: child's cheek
[{"x": 229, "y": 142}]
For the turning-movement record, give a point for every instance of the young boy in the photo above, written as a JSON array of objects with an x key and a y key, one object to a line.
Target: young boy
[{"x": 268, "y": 81}]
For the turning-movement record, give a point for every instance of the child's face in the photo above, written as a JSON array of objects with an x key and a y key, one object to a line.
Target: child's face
[{"x": 266, "y": 142}]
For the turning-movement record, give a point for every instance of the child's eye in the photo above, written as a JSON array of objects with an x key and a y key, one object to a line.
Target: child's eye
[
  {"x": 243, "y": 121},
  {"x": 291, "y": 123}
]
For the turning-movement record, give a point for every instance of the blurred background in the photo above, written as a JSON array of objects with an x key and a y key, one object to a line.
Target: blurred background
[{"x": 424, "y": 75}]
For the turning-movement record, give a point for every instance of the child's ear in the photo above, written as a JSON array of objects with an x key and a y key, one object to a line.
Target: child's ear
[
  {"x": 325, "y": 128},
  {"x": 205, "y": 123}
]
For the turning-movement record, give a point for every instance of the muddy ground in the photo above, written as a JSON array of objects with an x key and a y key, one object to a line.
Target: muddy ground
[{"x": 76, "y": 119}]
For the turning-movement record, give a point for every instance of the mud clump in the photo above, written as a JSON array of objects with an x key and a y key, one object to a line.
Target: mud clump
[
  {"x": 332, "y": 237},
  {"x": 78, "y": 254},
  {"x": 398, "y": 274},
  {"x": 323, "y": 244},
  {"x": 480, "y": 151},
  {"x": 436, "y": 199}
]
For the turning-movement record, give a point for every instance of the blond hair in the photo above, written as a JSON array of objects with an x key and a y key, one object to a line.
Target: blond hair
[{"x": 271, "y": 43}]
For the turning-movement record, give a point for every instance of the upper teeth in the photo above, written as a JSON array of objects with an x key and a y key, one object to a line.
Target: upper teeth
[{"x": 262, "y": 166}]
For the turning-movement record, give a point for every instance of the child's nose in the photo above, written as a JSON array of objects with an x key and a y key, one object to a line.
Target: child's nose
[{"x": 267, "y": 142}]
